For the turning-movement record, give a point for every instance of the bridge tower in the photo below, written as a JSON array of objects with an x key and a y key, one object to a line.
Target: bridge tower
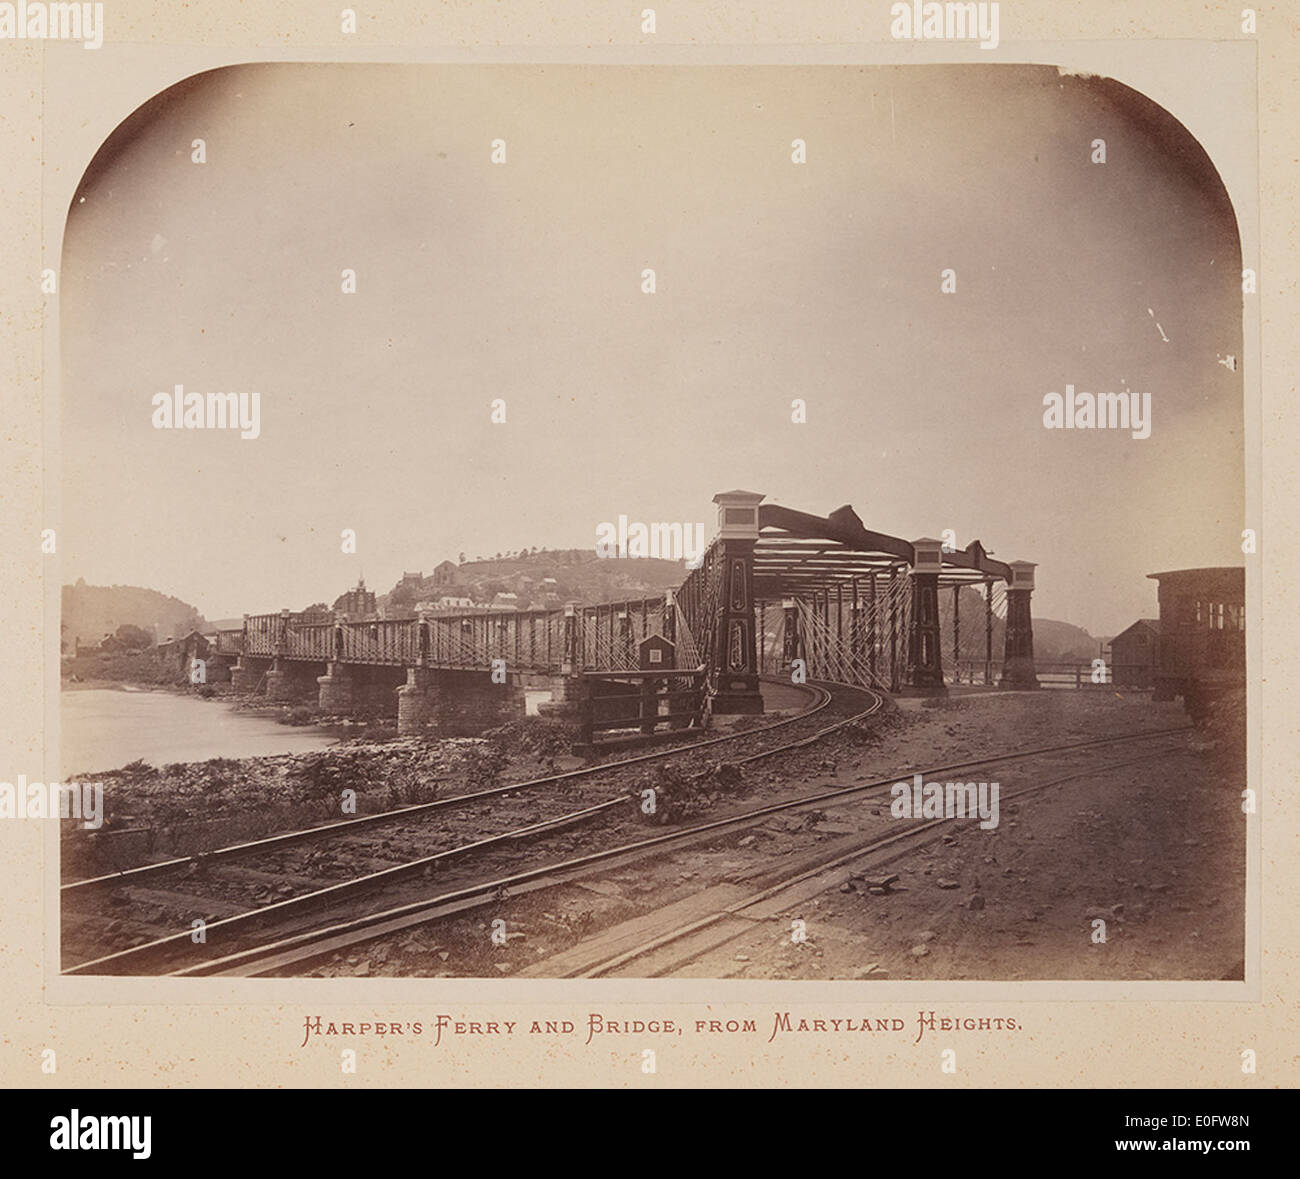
[
  {"x": 734, "y": 669},
  {"x": 1018, "y": 656},
  {"x": 924, "y": 652}
]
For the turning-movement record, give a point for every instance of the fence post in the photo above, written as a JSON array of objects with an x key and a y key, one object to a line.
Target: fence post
[
  {"x": 956, "y": 632},
  {"x": 988, "y": 632}
]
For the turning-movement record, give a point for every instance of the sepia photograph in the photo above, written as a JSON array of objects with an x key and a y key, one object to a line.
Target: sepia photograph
[
  {"x": 719, "y": 522},
  {"x": 676, "y": 546}
]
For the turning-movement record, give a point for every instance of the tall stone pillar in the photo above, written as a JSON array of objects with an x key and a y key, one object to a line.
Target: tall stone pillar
[
  {"x": 1018, "y": 657},
  {"x": 924, "y": 654},
  {"x": 735, "y": 653}
]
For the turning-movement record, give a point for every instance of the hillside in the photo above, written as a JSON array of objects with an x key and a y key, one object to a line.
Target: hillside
[
  {"x": 1063, "y": 641},
  {"x": 1053, "y": 641},
  {"x": 92, "y": 611},
  {"x": 541, "y": 578}
]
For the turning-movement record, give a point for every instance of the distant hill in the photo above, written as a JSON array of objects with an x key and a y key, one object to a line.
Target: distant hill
[
  {"x": 92, "y": 611},
  {"x": 1063, "y": 641},
  {"x": 1054, "y": 642}
]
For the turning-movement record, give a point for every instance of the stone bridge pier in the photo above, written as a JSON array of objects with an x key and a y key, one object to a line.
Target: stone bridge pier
[
  {"x": 455, "y": 703},
  {"x": 348, "y": 689},
  {"x": 246, "y": 675},
  {"x": 291, "y": 679}
]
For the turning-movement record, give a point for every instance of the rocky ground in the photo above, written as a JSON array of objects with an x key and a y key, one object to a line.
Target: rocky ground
[
  {"x": 155, "y": 812},
  {"x": 1154, "y": 851}
]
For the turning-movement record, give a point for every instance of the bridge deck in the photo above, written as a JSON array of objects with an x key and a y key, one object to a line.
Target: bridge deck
[{"x": 601, "y": 637}]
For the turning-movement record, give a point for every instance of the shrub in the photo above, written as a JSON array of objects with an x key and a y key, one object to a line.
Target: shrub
[{"x": 484, "y": 762}]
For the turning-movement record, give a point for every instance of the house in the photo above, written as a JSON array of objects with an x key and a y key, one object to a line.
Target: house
[
  {"x": 444, "y": 604},
  {"x": 178, "y": 655},
  {"x": 1135, "y": 654},
  {"x": 446, "y": 573},
  {"x": 504, "y": 602},
  {"x": 358, "y": 603}
]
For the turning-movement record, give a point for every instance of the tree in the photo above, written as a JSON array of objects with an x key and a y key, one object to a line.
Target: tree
[
  {"x": 403, "y": 595},
  {"x": 132, "y": 638},
  {"x": 461, "y": 561}
]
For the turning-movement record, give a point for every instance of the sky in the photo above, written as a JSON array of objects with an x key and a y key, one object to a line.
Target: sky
[{"x": 522, "y": 281}]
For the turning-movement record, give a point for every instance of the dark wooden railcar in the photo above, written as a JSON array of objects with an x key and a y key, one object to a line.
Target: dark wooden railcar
[{"x": 1202, "y": 634}]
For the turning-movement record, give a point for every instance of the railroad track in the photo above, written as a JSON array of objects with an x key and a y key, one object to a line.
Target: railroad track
[
  {"x": 820, "y": 697},
  {"x": 686, "y": 943},
  {"x": 230, "y": 898},
  {"x": 303, "y": 938}
]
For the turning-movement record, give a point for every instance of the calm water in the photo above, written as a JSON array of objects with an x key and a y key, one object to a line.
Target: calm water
[{"x": 105, "y": 728}]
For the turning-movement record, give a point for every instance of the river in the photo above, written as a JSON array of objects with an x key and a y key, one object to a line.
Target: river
[{"x": 106, "y": 728}]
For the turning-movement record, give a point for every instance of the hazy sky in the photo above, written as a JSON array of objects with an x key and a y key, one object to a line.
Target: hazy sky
[{"x": 523, "y": 281}]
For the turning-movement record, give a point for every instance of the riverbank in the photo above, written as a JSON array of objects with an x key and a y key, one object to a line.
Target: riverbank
[
  {"x": 104, "y": 727},
  {"x": 154, "y": 812}
]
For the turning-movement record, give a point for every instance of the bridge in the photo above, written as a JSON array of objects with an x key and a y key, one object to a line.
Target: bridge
[{"x": 777, "y": 591}]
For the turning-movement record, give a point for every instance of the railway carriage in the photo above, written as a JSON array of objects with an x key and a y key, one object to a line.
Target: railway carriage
[{"x": 1202, "y": 635}]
